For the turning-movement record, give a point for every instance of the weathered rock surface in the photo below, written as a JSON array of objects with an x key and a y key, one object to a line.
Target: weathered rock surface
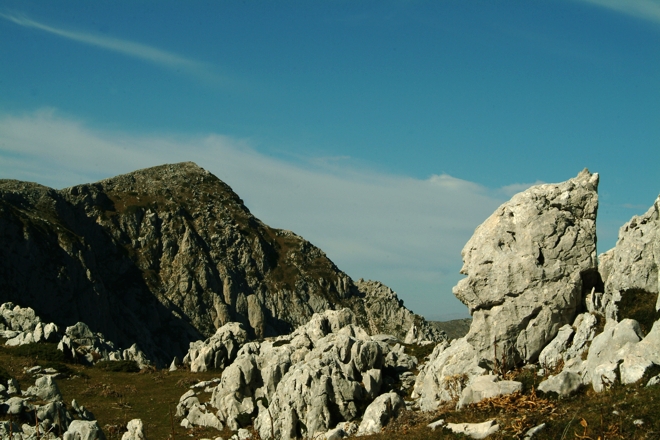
[
  {"x": 165, "y": 256},
  {"x": 564, "y": 384},
  {"x": 474, "y": 430},
  {"x": 134, "y": 430},
  {"x": 485, "y": 387},
  {"x": 630, "y": 270},
  {"x": 219, "y": 350},
  {"x": 379, "y": 412},
  {"x": 528, "y": 268},
  {"x": 84, "y": 430},
  {"x": 445, "y": 375},
  {"x": 304, "y": 384}
]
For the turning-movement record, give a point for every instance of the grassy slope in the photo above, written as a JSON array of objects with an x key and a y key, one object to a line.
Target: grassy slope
[{"x": 117, "y": 397}]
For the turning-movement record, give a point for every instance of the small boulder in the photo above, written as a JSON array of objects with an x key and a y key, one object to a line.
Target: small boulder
[
  {"x": 134, "y": 430},
  {"x": 379, "y": 412},
  {"x": 474, "y": 430},
  {"x": 484, "y": 387},
  {"x": 84, "y": 430},
  {"x": 564, "y": 384}
]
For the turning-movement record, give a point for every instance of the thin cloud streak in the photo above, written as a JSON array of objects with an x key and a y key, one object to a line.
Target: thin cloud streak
[
  {"x": 136, "y": 50},
  {"x": 405, "y": 232},
  {"x": 645, "y": 9}
]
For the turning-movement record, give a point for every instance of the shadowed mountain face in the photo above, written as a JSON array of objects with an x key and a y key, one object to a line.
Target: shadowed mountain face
[{"x": 164, "y": 256}]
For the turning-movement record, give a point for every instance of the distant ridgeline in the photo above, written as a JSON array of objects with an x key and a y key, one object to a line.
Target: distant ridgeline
[{"x": 165, "y": 256}]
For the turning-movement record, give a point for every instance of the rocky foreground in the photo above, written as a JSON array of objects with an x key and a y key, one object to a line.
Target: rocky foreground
[{"x": 542, "y": 303}]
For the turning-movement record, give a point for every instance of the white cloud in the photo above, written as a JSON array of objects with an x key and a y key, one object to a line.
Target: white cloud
[
  {"x": 405, "y": 232},
  {"x": 130, "y": 48},
  {"x": 646, "y": 9}
]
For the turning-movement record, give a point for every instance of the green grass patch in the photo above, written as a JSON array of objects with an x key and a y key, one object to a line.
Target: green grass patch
[
  {"x": 41, "y": 352},
  {"x": 4, "y": 376}
]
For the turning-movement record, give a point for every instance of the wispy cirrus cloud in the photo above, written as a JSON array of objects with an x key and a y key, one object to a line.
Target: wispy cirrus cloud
[
  {"x": 646, "y": 9},
  {"x": 136, "y": 50}
]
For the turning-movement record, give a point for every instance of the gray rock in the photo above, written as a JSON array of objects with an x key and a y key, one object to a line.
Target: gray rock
[
  {"x": 384, "y": 313},
  {"x": 9, "y": 426},
  {"x": 81, "y": 412},
  {"x": 199, "y": 416},
  {"x": 631, "y": 267},
  {"x": 604, "y": 376},
  {"x": 553, "y": 353},
  {"x": 13, "y": 386},
  {"x": 474, "y": 430},
  {"x": 54, "y": 414},
  {"x": 133, "y": 353},
  {"x": 485, "y": 387},
  {"x": 449, "y": 369},
  {"x": 526, "y": 268},
  {"x": 219, "y": 350},
  {"x": 564, "y": 384},
  {"x": 379, "y": 412},
  {"x": 606, "y": 347},
  {"x": 134, "y": 430},
  {"x": 16, "y": 406},
  {"x": 46, "y": 389},
  {"x": 84, "y": 430}
]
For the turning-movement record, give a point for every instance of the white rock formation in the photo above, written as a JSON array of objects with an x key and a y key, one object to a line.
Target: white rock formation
[
  {"x": 379, "y": 412},
  {"x": 219, "y": 350},
  {"x": 474, "y": 430},
  {"x": 134, "y": 430},
  {"x": 448, "y": 370},
  {"x": 527, "y": 266},
  {"x": 631, "y": 267},
  {"x": 485, "y": 387}
]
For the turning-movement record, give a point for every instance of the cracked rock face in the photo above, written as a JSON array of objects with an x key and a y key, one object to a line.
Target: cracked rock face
[
  {"x": 528, "y": 267},
  {"x": 630, "y": 269}
]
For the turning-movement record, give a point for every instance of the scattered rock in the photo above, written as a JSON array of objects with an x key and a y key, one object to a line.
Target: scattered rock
[
  {"x": 474, "y": 430},
  {"x": 564, "y": 384},
  {"x": 84, "y": 430},
  {"x": 134, "y": 430},
  {"x": 46, "y": 389},
  {"x": 219, "y": 350},
  {"x": 484, "y": 387},
  {"x": 379, "y": 412}
]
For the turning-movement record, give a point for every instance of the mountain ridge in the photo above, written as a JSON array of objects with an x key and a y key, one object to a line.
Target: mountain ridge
[{"x": 164, "y": 256}]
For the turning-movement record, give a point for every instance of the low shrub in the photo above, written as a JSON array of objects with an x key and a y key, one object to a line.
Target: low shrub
[
  {"x": 118, "y": 366},
  {"x": 41, "y": 352}
]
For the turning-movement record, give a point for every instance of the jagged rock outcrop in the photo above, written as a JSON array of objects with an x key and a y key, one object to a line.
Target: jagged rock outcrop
[
  {"x": 218, "y": 351},
  {"x": 21, "y": 326},
  {"x": 165, "y": 256},
  {"x": 630, "y": 270},
  {"x": 626, "y": 349},
  {"x": 305, "y": 383},
  {"x": 43, "y": 413},
  {"x": 528, "y": 268},
  {"x": 384, "y": 313}
]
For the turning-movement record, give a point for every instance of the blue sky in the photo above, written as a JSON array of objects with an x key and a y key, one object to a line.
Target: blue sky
[{"x": 382, "y": 131}]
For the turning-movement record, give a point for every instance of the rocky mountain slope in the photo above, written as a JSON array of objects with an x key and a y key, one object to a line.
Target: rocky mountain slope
[
  {"x": 549, "y": 320},
  {"x": 165, "y": 256}
]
